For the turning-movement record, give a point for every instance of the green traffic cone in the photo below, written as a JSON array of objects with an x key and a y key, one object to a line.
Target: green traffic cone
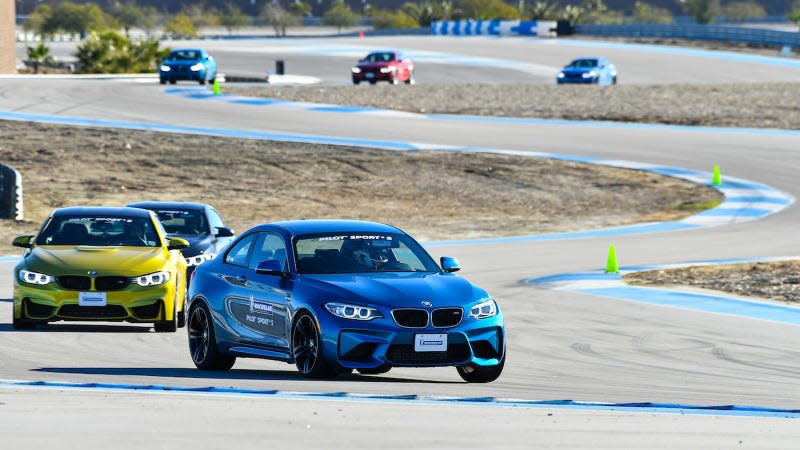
[
  {"x": 217, "y": 90},
  {"x": 717, "y": 180},
  {"x": 611, "y": 262}
]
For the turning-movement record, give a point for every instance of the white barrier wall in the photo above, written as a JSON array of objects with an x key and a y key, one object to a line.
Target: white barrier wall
[
  {"x": 495, "y": 27},
  {"x": 8, "y": 37}
]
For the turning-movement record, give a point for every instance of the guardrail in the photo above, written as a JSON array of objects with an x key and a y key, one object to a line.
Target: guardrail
[
  {"x": 495, "y": 27},
  {"x": 753, "y": 36},
  {"x": 10, "y": 193}
]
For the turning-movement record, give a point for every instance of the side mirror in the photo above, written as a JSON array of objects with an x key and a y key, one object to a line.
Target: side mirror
[
  {"x": 22, "y": 241},
  {"x": 210, "y": 58},
  {"x": 270, "y": 267},
  {"x": 177, "y": 244},
  {"x": 450, "y": 264},
  {"x": 224, "y": 232}
]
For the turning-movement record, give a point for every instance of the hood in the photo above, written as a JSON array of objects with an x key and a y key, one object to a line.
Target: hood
[
  {"x": 124, "y": 261},
  {"x": 197, "y": 244},
  {"x": 398, "y": 289}
]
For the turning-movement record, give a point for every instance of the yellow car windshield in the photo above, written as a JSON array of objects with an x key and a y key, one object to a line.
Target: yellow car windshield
[{"x": 99, "y": 231}]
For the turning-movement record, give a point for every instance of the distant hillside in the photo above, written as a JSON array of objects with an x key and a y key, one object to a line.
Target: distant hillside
[{"x": 253, "y": 7}]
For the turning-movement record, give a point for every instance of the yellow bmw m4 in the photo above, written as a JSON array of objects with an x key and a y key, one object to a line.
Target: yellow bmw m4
[{"x": 100, "y": 264}]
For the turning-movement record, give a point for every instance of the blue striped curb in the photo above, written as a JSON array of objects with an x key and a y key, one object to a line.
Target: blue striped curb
[
  {"x": 753, "y": 200},
  {"x": 650, "y": 407},
  {"x": 610, "y": 285},
  {"x": 201, "y": 93}
]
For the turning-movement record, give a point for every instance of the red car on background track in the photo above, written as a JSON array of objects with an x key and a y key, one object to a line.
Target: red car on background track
[{"x": 388, "y": 65}]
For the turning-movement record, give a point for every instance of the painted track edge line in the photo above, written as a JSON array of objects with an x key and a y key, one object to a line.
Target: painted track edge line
[{"x": 639, "y": 407}]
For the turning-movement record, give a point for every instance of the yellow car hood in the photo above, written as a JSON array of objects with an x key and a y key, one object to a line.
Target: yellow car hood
[{"x": 71, "y": 260}]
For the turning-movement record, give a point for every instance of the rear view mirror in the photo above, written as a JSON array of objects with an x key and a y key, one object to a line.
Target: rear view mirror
[
  {"x": 177, "y": 244},
  {"x": 223, "y": 232},
  {"x": 22, "y": 241},
  {"x": 450, "y": 264},
  {"x": 270, "y": 267}
]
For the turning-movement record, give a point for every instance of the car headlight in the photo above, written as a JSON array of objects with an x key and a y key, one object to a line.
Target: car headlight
[
  {"x": 484, "y": 309},
  {"x": 165, "y": 68},
  {"x": 590, "y": 74},
  {"x": 198, "y": 259},
  {"x": 197, "y": 67},
  {"x": 354, "y": 312},
  {"x": 356, "y": 70},
  {"x": 561, "y": 75},
  {"x": 388, "y": 69},
  {"x": 152, "y": 279},
  {"x": 35, "y": 277}
]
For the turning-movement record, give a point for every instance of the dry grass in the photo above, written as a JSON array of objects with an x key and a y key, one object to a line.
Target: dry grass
[{"x": 432, "y": 195}]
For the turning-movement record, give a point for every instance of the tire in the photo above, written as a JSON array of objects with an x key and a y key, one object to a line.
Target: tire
[
  {"x": 307, "y": 351},
  {"x": 202, "y": 342},
  {"x": 211, "y": 81},
  {"x": 475, "y": 374},
  {"x": 202, "y": 82},
  {"x": 356, "y": 82},
  {"x": 614, "y": 80},
  {"x": 22, "y": 324},
  {"x": 394, "y": 80},
  {"x": 410, "y": 79},
  {"x": 182, "y": 318},
  {"x": 162, "y": 81},
  {"x": 373, "y": 81},
  {"x": 172, "y": 81},
  {"x": 375, "y": 370}
]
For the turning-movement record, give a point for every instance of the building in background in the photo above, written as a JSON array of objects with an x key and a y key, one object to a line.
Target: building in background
[{"x": 8, "y": 37}]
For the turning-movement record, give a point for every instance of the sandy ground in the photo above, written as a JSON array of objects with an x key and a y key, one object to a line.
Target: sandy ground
[
  {"x": 431, "y": 195},
  {"x": 765, "y": 105},
  {"x": 772, "y": 280}
]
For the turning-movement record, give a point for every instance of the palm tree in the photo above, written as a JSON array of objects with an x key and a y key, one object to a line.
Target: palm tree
[{"x": 38, "y": 54}]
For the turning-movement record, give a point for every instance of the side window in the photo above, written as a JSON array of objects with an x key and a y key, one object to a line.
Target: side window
[
  {"x": 214, "y": 220},
  {"x": 270, "y": 246},
  {"x": 238, "y": 253}
]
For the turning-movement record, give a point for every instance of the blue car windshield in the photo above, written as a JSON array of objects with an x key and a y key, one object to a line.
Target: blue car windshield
[
  {"x": 100, "y": 231},
  {"x": 187, "y": 222},
  {"x": 582, "y": 64},
  {"x": 184, "y": 55},
  {"x": 360, "y": 252}
]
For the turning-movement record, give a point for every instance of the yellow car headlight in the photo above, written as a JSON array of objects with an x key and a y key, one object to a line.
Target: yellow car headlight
[
  {"x": 152, "y": 279},
  {"x": 30, "y": 277}
]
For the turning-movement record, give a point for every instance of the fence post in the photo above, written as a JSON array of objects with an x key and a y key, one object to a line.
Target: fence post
[{"x": 10, "y": 193}]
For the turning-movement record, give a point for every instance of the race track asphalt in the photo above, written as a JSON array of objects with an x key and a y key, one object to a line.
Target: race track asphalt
[{"x": 562, "y": 345}]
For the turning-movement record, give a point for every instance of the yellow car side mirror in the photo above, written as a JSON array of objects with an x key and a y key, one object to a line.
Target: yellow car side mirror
[
  {"x": 23, "y": 241},
  {"x": 177, "y": 244}
]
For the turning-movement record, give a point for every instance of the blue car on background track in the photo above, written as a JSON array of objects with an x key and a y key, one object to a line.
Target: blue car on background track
[
  {"x": 588, "y": 71},
  {"x": 191, "y": 64},
  {"x": 331, "y": 296}
]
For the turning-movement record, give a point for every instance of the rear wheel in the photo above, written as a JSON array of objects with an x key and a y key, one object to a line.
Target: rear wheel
[
  {"x": 202, "y": 342},
  {"x": 307, "y": 351},
  {"x": 478, "y": 374},
  {"x": 375, "y": 370}
]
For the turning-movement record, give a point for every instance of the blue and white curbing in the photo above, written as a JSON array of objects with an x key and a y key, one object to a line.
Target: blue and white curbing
[
  {"x": 494, "y": 27},
  {"x": 610, "y": 285}
]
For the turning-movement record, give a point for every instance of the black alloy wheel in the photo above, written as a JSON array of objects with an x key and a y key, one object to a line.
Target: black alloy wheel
[
  {"x": 202, "y": 343},
  {"x": 306, "y": 349},
  {"x": 478, "y": 374}
]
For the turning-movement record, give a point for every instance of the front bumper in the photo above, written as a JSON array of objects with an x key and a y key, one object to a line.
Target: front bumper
[
  {"x": 355, "y": 345},
  {"x": 132, "y": 304},
  {"x": 177, "y": 75},
  {"x": 373, "y": 76}
]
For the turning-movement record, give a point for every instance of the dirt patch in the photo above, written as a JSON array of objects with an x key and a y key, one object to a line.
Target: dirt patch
[
  {"x": 432, "y": 195},
  {"x": 756, "y": 105},
  {"x": 772, "y": 280}
]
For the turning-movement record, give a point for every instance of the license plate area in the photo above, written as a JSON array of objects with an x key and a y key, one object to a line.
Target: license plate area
[
  {"x": 430, "y": 342},
  {"x": 369, "y": 75},
  {"x": 91, "y": 299}
]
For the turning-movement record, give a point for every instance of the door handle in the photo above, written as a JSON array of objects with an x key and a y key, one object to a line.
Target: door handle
[{"x": 241, "y": 278}]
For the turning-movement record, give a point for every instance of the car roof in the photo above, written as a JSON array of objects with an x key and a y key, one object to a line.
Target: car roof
[
  {"x": 298, "y": 227},
  {"x": 101, "y": 211},
  {"x": 172, "y": 205},
  {"x": 187, "y": 49}
]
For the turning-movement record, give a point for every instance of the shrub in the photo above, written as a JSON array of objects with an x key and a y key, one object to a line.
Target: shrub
[
  {"x": 112, "y": 52},
  {"x": 383, "y": 19}
]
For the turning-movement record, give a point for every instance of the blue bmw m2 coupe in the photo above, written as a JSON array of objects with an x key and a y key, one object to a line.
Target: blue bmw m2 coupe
[{"x": 331, "y": 296}]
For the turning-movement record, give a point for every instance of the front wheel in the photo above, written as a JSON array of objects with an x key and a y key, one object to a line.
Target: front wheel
[
  {"x": 478, "y": 374},
  {"x": 202, "y": 343},
  {"x": 307, "y": 349},
  {"x": 22, "y": 324},
  {"x": 410, "y": 79}
]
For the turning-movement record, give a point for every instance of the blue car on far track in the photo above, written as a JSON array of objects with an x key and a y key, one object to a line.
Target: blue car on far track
[
  {"x": 588, "y": 71},
  {"x": 331, "y": 296},
  {"x": 190, "y": 64}
]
